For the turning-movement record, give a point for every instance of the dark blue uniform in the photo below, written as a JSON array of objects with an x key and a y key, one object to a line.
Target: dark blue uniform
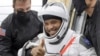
[
  {"x": 92, "y": 29},
  {"x": 17, "y": 34}
]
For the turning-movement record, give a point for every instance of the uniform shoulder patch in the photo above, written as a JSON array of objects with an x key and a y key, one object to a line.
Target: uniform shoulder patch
[
  {"x": 85, "y": 42},
  {"x": 2, "y": 32}
]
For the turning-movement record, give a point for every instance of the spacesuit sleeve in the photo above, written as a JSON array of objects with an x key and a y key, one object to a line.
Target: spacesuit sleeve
[
  {"x": 85, "y": 48},
  {"x": 26, "y": 49}
]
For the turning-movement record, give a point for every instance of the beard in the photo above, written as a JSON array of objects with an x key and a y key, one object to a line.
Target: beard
[{"x": 80, "y": 6}]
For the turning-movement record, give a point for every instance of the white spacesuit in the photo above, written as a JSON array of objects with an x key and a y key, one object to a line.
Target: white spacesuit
[{"x": 65, "y": 42}]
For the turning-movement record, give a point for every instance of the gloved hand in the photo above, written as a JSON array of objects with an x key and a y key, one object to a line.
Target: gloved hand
[{"x": 38, "y": 50}]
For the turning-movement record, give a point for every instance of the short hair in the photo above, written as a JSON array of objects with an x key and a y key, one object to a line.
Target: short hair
[{"x": 14, "y": 1}]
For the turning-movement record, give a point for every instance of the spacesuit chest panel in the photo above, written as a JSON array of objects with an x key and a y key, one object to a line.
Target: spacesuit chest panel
[{"x": 56, "y": 49}]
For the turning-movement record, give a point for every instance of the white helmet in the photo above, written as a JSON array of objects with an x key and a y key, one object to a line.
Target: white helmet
[{"x": 56, "y": 9}]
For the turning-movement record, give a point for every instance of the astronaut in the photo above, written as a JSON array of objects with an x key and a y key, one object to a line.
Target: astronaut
[{"x": 58, "y": 39}]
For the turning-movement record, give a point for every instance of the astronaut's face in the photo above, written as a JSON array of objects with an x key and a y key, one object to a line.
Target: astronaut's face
[{"x": 52, "y": 26}]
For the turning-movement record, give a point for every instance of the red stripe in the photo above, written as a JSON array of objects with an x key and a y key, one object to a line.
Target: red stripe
[{"x": 66, "y": 46}]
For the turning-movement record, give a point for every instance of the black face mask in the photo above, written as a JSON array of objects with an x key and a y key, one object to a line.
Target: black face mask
[
  {"x": 22, "y": 17},
  {"x": 80, "y": 6}
]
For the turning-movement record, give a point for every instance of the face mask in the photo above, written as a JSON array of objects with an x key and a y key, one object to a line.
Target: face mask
[
  {"x": 23, "y": 17},
  {"x": 80, "y": 6}
]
